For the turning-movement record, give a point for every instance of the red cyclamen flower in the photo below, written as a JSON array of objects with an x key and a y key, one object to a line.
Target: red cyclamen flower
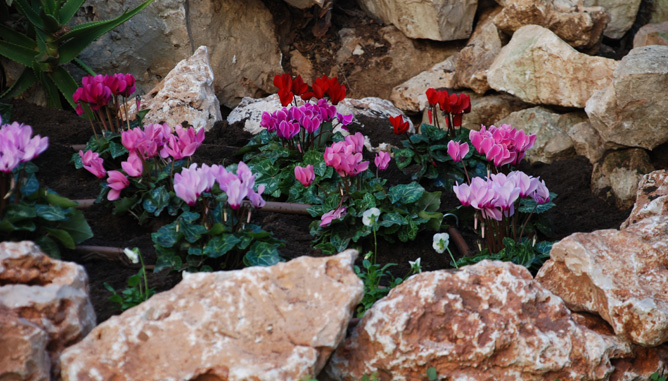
[{"x": 400, "y": 126}]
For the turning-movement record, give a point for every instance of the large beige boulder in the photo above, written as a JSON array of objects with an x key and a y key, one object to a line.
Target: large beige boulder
[
  {"x": 480, "y": 51},
  {"x": 411, "y": 95},
  {"x": 259, "y": 323},
  {"x": 630, "y": 110},
  {"x": 488, "y": 321},
  {"x": 551, "y": 130},
  {"x": 652, "y": 198},
  {"x": 185, "y": 95},
  {"x": 540, "y": 68},
  {"x": 580, "y": 27},
  {"x": 616, "y": 176},
  {"x": 588, "y": 142},
  {"x": 651, "y": 34},
  {"x": 622, "y": 15},
  {"x": 440, "y": 20},
  {"x": 47, "y": 309},
  {"x": 243, "y": 51}
]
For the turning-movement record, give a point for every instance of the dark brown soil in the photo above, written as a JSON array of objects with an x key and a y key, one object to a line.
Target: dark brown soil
[{"x": 577, "y": 209}]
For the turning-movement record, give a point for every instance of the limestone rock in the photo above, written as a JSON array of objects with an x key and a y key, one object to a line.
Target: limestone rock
[
  {"x": 651, "y": 34},
  {"x": 588, "y": 142},
  {"x": 617, "y": 275},
  {"x": 488, "y": 321},
  {"x": 629, "y": 111},
  {"x": 301, "y": 66},
  {"x": 376, "y": 76},
  {"x": 440, "y": 20},
  {"x": 49, "y": 294},
  {"x": 411, "y": 95},
  {"x": 243, "y": 48},
  {"x": 581, "y": 28},
  {"x": 618, "y": 174},
  {"x": 551, "y": 129},
  {"x": 23, "y": 354},
  {"x": 659, "y": 11},
  {"x": 185, "y": 95},
  {"x": 652, "y": 198},
  {"x": 250, "y": 111},
  {"x": 475, "y": 59},
  {"x": 264, "y": 323},
  {"x": 538, "y": 67},
  {"x": 622, "y": 15},
  {"x": 303, "y": 4},
  {"x": 644, "y": 363},
  {"x": 371, "y": 107}
]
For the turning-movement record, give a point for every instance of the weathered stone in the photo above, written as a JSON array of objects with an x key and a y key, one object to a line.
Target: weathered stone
[
  {"x": 644, "y": 363},
  {"x": 23, "y": 354},
  {"x": 651, "y": 199},
  {"x": 551, "y": 129},
  {"x": 588, "y": 142},
  {"x": 303, "y": 4},
  {"x": 240, "y": 35},
  {"x": 411, "y": 95},
  {"x": 651, "y": 34},
  {"x": 250, "y": 112},
  {"x": 475, "y": 59},
  {"x": 622, "y": 14},
  {"x": 301, "y": 66},
  {"x": 371, "y": 107},
  {"x": 47, "y": 293},
  {"x": 185, "y": 95},
  {"x": 617, "y": 275},
  {"x": 580, "y": 27},
  {"x": 440, "y": 20},
  {"x": 540, "y": 68},
  {"x": 376, "y": 76},
  {"x": 659, "y": 11},
  {"x": 488, "y": 321},
  {"x": 618, "y": 174},
  {"x": 259, "y": 323},
  {"x": 629, "y": 111}
]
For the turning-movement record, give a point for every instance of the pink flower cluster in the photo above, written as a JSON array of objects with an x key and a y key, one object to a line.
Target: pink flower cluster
[
  {"x": 502, "y": 145},
  {"x": 287, "y": 122},
  {"x": 496, "y": 196},
  {"x": 346, "y": 156},
  {"x": 99, "y": 89},
  {"x": 17, "y": 146},
  {"x": 193, "y": 181},
  {"x": 145, "y": 143}
]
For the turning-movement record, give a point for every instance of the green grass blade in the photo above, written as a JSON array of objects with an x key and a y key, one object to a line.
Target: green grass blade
[
  {"x": 17, "y": 53},
  {"x": 69, "y": 9},
  {"x": 65, "y": 83},
  {"x": 85, "y": 67},
  {"x": 75, "y": 41},
  {"x": 26, "y": 79}
]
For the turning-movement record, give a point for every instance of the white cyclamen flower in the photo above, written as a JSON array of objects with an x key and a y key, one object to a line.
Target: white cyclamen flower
[
  {"x": 416, "y": 264},
  {"x": 131, "y": 254},
  {"x": 370, "y": 217},
  {"x": 441, "y": 242}
]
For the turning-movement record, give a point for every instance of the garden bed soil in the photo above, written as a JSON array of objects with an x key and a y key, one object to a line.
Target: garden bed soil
[{"x": 577, "y": 210}]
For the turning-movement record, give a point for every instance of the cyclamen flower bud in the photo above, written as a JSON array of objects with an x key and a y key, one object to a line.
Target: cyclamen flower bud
[
  {"x": 305, "y": 175},
  {"x": 382, "y": 160}
]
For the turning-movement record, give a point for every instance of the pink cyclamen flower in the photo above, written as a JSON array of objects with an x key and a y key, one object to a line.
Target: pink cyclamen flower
[
  {"x": 457, "y": 150},
  {"x": 382, "y": 160},
  {"x": 305, "y": 175},
  {"x": 133, "y": 166},
  {"x": 190, "y": 184},
  {"x": 542, "y": 194},
  {"x": 332, "y": 215},
  {"x": 93, "y": 163},
  {"x": 94, "y": 92},
  {"x": 117, "y": 182},
  {"x": 184, "y": 143}
]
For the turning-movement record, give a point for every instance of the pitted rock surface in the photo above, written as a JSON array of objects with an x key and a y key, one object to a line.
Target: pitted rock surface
[
  {"x": 489, "y": 321},
  {"x": 259, "y": 323},
  {"x": 49, "y": 299}
]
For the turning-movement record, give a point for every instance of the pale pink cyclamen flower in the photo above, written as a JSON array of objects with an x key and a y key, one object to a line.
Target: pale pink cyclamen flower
[
  {"x": 542, "y": 194},
  {"x": 332, "y": 215},
  {"x": 17, "y": 146},
  {"x": 133, "y": 166},
  {"x": 305, "y": 175},
  {"x": 117, "y": 182},
  {"x": 93, "y": 163},
  {"x": 382, "y": 160},
  {"x": 190, "y": 184},
  {"x": 457, "y": 150}
]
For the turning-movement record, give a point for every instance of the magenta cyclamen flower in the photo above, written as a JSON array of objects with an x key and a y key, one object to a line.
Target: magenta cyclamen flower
[
  {"x": 305, "y": 175},
  {"x": 117, "y": 182},
  {"x": 502, "y": 145},
  {"x": 382, "y": 160},
  {"x": 332, "y": 215},
  {"x": 184, "y": 143},
  {"x": 457, "y": 150},
  {"x": 92, "y": 162},
  {"x": 94, "y": 92}
]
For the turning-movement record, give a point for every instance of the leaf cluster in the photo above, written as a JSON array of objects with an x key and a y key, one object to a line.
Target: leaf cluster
[
  {"x": 46, "y": 43},
  {"x": 41, "y": 215},
  {"x": 525, "y": 253},
  {"x": 134, "y": 294}
]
